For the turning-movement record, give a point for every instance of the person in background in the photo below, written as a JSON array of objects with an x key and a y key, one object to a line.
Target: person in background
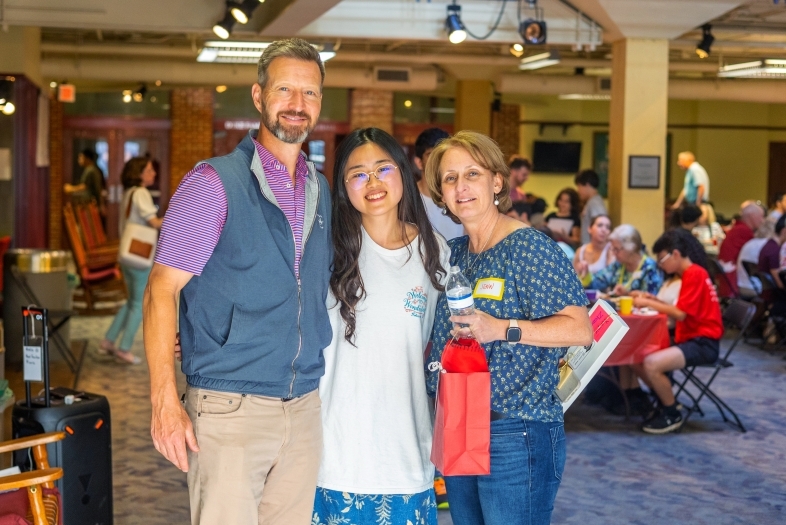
[
  {"x": 424, "y": 145},
  {"x": 778, "y": 207},
  {"x": 594, "y": 256},
  {"x": 707, "y": 230},
  {"x": 770, "y": 256},
  {"x": 696, "y": 186},
  {"x": 523, "y": 330},
  {"x": 587, "y": 183},
  {"x": 138, "y": 174},
  {"x": 689, "y": 216},
  {"x": 632, "y": 269},
  {"x": 565, "y": 223},
  {"x": 520, "y": 210},
  {"x": 749, "y": 285},
  {"x": 698, "y": 330},
  {"x": 375, "y": 410},
  {"x": 520, "y": 169},
  {"x": 751, "y": 217},
  {"x": 92, "y": 179}
]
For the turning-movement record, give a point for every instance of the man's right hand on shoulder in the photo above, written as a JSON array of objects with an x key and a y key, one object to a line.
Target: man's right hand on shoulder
[{"x": 172, "y": 431}]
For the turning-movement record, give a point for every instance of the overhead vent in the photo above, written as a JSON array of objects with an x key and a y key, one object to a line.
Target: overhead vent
[{"x": 389, "y": 74}]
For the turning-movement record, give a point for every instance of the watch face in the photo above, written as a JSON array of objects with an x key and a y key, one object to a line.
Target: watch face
[{"x": 514, "y": 334}]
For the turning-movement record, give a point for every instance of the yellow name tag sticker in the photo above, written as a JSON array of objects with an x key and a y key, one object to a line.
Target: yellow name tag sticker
[{"x": 490, "y": 288}]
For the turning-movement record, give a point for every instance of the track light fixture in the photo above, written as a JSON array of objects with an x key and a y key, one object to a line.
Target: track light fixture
[
  {"x": 139, "y": 94},
  {"x": 457, "y": 33},
  {"x": 224, "y": 27},
  {"x": 533, "y": 32},
  {"x": 517, "y": 50},
  {"x": 242, "y": 11},
  {"x": 703, "y": 49}
]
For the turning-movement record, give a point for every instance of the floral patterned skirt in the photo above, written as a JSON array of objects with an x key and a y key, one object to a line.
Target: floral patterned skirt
[{"x": 333, "y": 507}]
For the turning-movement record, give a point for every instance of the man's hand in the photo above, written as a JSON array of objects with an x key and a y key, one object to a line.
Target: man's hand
[{"x": 172, "y": 431}]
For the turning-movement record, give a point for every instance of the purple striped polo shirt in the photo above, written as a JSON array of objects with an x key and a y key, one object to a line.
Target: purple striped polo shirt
[{"x": 198, "y": 212}]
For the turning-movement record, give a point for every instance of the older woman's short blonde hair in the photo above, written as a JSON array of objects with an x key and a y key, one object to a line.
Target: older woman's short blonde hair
[
  {"x": 484, "y": 151},
  {"x": 628, "y": 236}
]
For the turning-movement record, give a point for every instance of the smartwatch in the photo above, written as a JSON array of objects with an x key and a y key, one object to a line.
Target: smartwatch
[{"x": 514, "y": 332}]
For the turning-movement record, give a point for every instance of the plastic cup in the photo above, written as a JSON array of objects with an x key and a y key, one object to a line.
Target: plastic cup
[
  {"x": 626, "y": 305},
  {"x": 592, "y": 295}
]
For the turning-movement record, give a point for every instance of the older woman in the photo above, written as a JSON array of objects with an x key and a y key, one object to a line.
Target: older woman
[
  {"x": 632, "y": 270},
  {"x": 537, "y": 310}
]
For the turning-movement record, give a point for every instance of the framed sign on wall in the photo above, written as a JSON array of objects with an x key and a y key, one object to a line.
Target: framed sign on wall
[{"x": 644, "y": 172}]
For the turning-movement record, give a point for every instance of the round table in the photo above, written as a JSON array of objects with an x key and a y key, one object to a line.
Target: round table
[{"x": 647, "y": 334}]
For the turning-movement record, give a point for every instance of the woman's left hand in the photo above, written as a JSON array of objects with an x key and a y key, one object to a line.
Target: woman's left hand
[{"x": 481, "y": 326}]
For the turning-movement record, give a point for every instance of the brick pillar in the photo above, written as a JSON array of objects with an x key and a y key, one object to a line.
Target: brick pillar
[
  {"x": 371, "y": 108},
  {"x": 505, "y": 128},
  {"x": 191, "y": 138},
  {"x": 55, "y": 174}
]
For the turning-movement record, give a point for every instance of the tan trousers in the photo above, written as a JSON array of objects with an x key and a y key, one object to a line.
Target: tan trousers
[{"x": 258, "y": 458}]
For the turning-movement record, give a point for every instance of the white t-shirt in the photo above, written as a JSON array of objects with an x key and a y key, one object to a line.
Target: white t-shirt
[
  {"x": 376, "y": 423},
  {"x": 442, "y": 223},
  {"x": 142, "y": 207},
  {"x": 749, "y": 253}
]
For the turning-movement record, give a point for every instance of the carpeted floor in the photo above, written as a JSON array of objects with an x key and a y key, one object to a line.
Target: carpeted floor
[{"x": 708, "y": 474}]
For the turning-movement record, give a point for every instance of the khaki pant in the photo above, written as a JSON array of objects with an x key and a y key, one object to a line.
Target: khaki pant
[{"x": 258, "y": 458}]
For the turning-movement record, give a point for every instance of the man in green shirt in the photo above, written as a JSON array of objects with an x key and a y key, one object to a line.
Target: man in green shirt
[{"x": 92, "y": 180}]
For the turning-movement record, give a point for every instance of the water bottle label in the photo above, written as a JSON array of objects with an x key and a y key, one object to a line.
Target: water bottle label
[{"x": 457, "y": 303}]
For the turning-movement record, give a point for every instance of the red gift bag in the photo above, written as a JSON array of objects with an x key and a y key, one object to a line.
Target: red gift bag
[{"x": 462, "y": 428}]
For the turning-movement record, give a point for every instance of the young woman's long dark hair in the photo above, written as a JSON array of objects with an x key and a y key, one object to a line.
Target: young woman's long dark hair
[{"x": 346, "y": 283}]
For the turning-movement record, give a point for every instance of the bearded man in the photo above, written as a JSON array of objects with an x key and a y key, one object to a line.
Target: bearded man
[{"x": 246, "y": 247}]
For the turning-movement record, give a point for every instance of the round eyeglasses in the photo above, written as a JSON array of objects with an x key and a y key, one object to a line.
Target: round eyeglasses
[{"x": 360, "y": 178}]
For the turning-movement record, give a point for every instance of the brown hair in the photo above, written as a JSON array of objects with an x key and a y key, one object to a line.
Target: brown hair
[
  {"x": 484, "y": 151},
  {"x": 287, "y": 48},
  {"x": 132, "y": 172}
]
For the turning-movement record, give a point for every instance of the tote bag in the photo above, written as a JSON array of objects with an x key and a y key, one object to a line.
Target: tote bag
[{"x": 138, "y": 243}]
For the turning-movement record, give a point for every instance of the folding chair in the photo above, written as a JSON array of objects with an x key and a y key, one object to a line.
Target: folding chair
[
  {"x": 727, "y": 291},
  {"x": 738, "y": 315}
]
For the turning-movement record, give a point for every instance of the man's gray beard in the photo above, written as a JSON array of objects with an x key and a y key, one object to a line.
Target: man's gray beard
[{"x": 290, "y": 136}]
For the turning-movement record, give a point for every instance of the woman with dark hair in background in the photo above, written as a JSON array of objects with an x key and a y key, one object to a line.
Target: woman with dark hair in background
[
  {"x": 137, "y": 207},
  {"x": 388, "y": 271},
  {"x": 565, "y": 223},
  {"x": 596, "y": 255}
]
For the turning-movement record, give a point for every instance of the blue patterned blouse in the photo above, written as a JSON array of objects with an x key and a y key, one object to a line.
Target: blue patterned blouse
[
  {"x": 530, "y": 278},
  {"x": 647, "y": 279}
]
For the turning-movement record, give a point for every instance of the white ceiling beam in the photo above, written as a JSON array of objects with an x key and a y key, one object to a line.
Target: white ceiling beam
[{"x": 291, "y": 18}]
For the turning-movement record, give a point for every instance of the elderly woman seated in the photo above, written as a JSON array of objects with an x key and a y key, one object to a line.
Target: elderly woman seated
[{"x": 633, "y": 269}]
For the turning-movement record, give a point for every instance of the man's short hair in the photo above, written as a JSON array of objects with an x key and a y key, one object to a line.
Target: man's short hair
[
  {"x": 520, "y": 162},
  {"x": 522, "y": 207},
  {"x": 777, "y": 198},
  {"x": 690, "y": 213},
  {"x": 538, "y": 205},
  {"x": 780, "y": 224},
  {"x": 670, "y": 241},
  {"x": 428, "y": 139},
  {"x": 89, "y": 154},
  {"x": 587, "y": 178},
  {"x": 287, "y": 48}
]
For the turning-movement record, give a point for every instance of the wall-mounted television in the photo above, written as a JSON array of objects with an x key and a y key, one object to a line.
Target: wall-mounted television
[{"x": 556, "y": 157}]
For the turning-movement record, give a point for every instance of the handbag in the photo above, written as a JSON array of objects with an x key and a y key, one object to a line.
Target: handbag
[
  {"x": 462, "y": 427},
  {"x": 138, "y": 243}
]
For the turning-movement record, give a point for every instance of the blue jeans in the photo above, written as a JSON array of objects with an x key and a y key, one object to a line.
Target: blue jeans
[
  {"x": 129, "y": 317},
  {"x": 527, "y": 460}
]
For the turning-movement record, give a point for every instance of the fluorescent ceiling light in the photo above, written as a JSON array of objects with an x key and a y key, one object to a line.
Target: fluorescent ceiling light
[
  {"x": 237, "y": 43},
  {"x": 539, "y": 61},
  {"x": 237, "y": 52},
  {"x": 584, "y": 96},
  {"x": 769, "y": 68}
]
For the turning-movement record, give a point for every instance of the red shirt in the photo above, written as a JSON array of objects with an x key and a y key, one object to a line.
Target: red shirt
[
  {"x": 735, "y": 239},
  {"x": 699, "y": 301}
]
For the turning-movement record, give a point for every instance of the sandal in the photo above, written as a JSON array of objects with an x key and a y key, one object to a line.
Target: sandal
[
  {"x": 103, "y": 349},
  {"x": 126, "y": 357}
]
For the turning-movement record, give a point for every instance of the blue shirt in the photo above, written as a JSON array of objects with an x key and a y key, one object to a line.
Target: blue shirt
[
  {"x": 696, "y": 176},
  {"x": 539, "y": 281},
  {"x": 648, "y": 278}
]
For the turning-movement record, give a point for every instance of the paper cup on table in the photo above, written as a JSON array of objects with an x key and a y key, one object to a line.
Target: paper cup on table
[
  {"x": 592, "y": 295},
  {"x": 626, "y": 305}
]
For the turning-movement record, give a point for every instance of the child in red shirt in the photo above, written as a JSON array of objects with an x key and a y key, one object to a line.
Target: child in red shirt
[{"x": 699, "y": 327}]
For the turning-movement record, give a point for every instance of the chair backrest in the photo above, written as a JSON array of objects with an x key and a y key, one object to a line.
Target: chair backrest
[
  {"x": 722, "y": 282},
  {"x": 86, "y": 224},
  {"x": 738, "y": 314},
  {"x": 98, "y": 226},
  {"x": 72, "y": 229}
]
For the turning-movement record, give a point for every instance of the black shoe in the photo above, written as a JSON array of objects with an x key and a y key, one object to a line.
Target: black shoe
[
  {"x": 640, "y": 403},
  {"x": 663, "y": 423}
]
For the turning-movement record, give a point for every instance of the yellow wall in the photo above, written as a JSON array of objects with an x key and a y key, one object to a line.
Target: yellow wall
[{"x": 737, "y": 160}]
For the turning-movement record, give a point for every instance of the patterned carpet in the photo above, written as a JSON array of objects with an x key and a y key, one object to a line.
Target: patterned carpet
[{"x": 708, "y": 474}]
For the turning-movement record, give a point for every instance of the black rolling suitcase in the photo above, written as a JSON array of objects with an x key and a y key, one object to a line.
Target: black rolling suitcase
[{"x": 86, "y": 452}]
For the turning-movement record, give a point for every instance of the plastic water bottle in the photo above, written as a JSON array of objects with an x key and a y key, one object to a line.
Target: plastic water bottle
[{"x": 459, "y": 293}]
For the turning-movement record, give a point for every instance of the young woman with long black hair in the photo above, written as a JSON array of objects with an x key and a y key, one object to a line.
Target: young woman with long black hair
[{"x": 388, "y": 271}]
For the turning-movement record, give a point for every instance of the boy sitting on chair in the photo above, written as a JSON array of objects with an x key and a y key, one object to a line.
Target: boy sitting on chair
[{"x": 699, "y": 327}]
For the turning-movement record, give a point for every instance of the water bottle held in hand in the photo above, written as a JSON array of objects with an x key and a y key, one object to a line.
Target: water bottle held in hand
[{"x": 459, "y": 293}]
